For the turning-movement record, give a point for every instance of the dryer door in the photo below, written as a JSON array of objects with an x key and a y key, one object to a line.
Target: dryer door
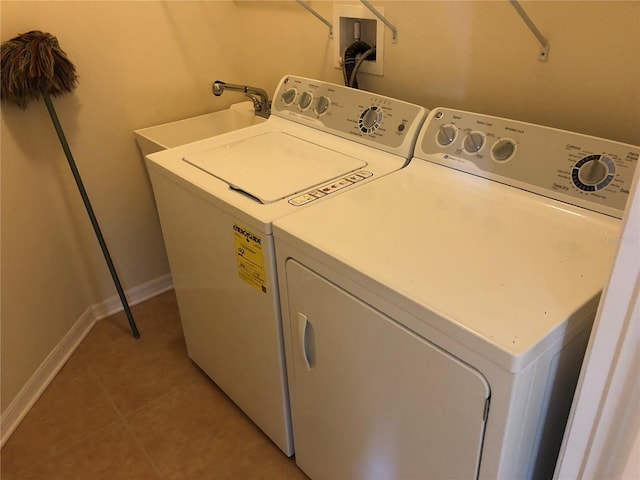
[{"x": 370, "y": 399}]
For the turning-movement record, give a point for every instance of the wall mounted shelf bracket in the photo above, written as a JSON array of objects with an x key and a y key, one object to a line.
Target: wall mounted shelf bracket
[
  {"x": 318, "y": 16},
  {"x": 543, "y": 53},
  {"x": 394, "y": 30}
]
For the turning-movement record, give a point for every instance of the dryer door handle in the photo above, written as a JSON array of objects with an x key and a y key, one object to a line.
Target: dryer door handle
[{"x": 305, "y": 332}]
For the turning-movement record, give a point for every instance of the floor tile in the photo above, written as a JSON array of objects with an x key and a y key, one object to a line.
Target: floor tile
[
  {"x": 158, "y": 314},
  {"x": 110, "y": 454},
  {"x": 133, "y": 374},
  {"x": 72, "y": 408},
  {"x": 123, "y": 408},
  {"x": 197, "y": 432}
]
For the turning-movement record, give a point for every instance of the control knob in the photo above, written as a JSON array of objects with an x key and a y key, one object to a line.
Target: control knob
[
  {"x": 370, "y": 119},
  {"x": 289, "y": 96},
  {"x": 322, "y": 105},
  {"x": 446, "y": 135},
  {"x": 473, "y": 142},
  {"x": 503, "y": 150},
  {"x": 593, "y": 172},
  {"x": 305, "y": 101}
]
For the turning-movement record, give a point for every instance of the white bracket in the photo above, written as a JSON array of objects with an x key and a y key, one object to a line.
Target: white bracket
[
  {"x": 394, "y": 30},
  {"x": 317, "y": 15},
  {"x": 543, "y": 53}
]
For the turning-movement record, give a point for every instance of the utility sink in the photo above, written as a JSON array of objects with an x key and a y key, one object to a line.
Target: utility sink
[{"x": 181, "y": 132}]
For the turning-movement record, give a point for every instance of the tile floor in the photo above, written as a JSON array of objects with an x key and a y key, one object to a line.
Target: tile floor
[{"x": 139, "y": 409}]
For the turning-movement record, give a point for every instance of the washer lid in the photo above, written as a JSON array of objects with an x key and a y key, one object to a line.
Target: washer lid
[{"x": 273, "y": 165}]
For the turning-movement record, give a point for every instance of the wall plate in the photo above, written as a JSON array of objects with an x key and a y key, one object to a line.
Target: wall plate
[{"x": 371, "y": 31}]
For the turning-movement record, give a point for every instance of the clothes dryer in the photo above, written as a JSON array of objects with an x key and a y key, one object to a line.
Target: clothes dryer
[
  {"x": 217, "y": 199},
  {"x": 435, "y": 321}
]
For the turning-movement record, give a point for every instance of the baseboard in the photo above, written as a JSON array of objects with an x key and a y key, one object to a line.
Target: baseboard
[
  {"x": 46, "y": 372},
  {"x": 134, "y": 296}
]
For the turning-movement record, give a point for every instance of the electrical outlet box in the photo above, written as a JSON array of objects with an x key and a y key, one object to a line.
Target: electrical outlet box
[{"x": 371, "y": 31}]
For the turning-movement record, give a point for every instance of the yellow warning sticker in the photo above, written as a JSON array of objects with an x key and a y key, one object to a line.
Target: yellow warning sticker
[{"x": 249, "y": 258}]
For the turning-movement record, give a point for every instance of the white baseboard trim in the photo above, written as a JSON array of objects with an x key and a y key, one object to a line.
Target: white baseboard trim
[
  {"x": 43, "y": 376},
  {"x": 134, "y": 296},
  {"x": 49, "y": 368}
]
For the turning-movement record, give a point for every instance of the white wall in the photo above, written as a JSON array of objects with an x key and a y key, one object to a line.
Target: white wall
[
  {"x": 480, "y": 56},
  {"x": 45, "y": 284},
  {"x": 139, "y": 64},
  {"x": 144, "y": 63}
]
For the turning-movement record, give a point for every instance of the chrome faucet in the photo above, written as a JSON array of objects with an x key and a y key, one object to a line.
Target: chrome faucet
[{"x": 260, "y": 98}]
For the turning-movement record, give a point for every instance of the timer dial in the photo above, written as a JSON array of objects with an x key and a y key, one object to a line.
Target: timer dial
[
  {"x": 370, "y": 119},
  {"x": 593, "y": 172},
  {"x": 446, "y": 135},
  {"x": 473, "y": 142}
]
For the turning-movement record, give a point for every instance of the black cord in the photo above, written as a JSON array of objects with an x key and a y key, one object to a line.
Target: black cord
[{"x": 350, "y": 62}]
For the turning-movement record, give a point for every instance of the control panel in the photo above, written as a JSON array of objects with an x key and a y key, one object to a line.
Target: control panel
[
  {"x": 368, "y": 118},
  {"x": 585, "y": 171},
  {"x": 330, "y": 188}
]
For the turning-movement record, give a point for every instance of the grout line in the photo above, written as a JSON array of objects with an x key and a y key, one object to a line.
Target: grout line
[
  {"x": 140, "y": 446},
  {"x": 63, "y": 450},
  {"x": 152, "y": 404},
  {"x": 19, "y": 407},
  {"x": 122, "y": 418},
  {"x": 104, "y": 390}
]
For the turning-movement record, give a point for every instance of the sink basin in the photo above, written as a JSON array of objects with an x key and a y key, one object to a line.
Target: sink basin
[{"x": 169, "y": 135}]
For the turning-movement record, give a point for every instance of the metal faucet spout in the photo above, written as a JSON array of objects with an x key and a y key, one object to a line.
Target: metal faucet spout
[{"x": 258, "y": 96}]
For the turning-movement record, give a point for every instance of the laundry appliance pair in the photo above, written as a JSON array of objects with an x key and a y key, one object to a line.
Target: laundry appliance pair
[{"x": 390, "y": 320}]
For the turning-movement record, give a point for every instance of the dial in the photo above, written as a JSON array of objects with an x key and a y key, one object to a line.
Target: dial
[
  {"x": 305, "y": 101},
  {"x": 503, "y": 150},
  {"x": 289, "y": 96},
  {"x": 370, "y": 119},
  {"x": 446, "y": 135},
  {"x": 473, "y": 142},
  {"x": 593, "y": 172},
  {"x": 322, "y": 105}
]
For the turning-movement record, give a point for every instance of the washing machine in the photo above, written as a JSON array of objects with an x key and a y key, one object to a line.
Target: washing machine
[
  {"x": 435, "y": 321},
  {"x": 217, "y": 199}
]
